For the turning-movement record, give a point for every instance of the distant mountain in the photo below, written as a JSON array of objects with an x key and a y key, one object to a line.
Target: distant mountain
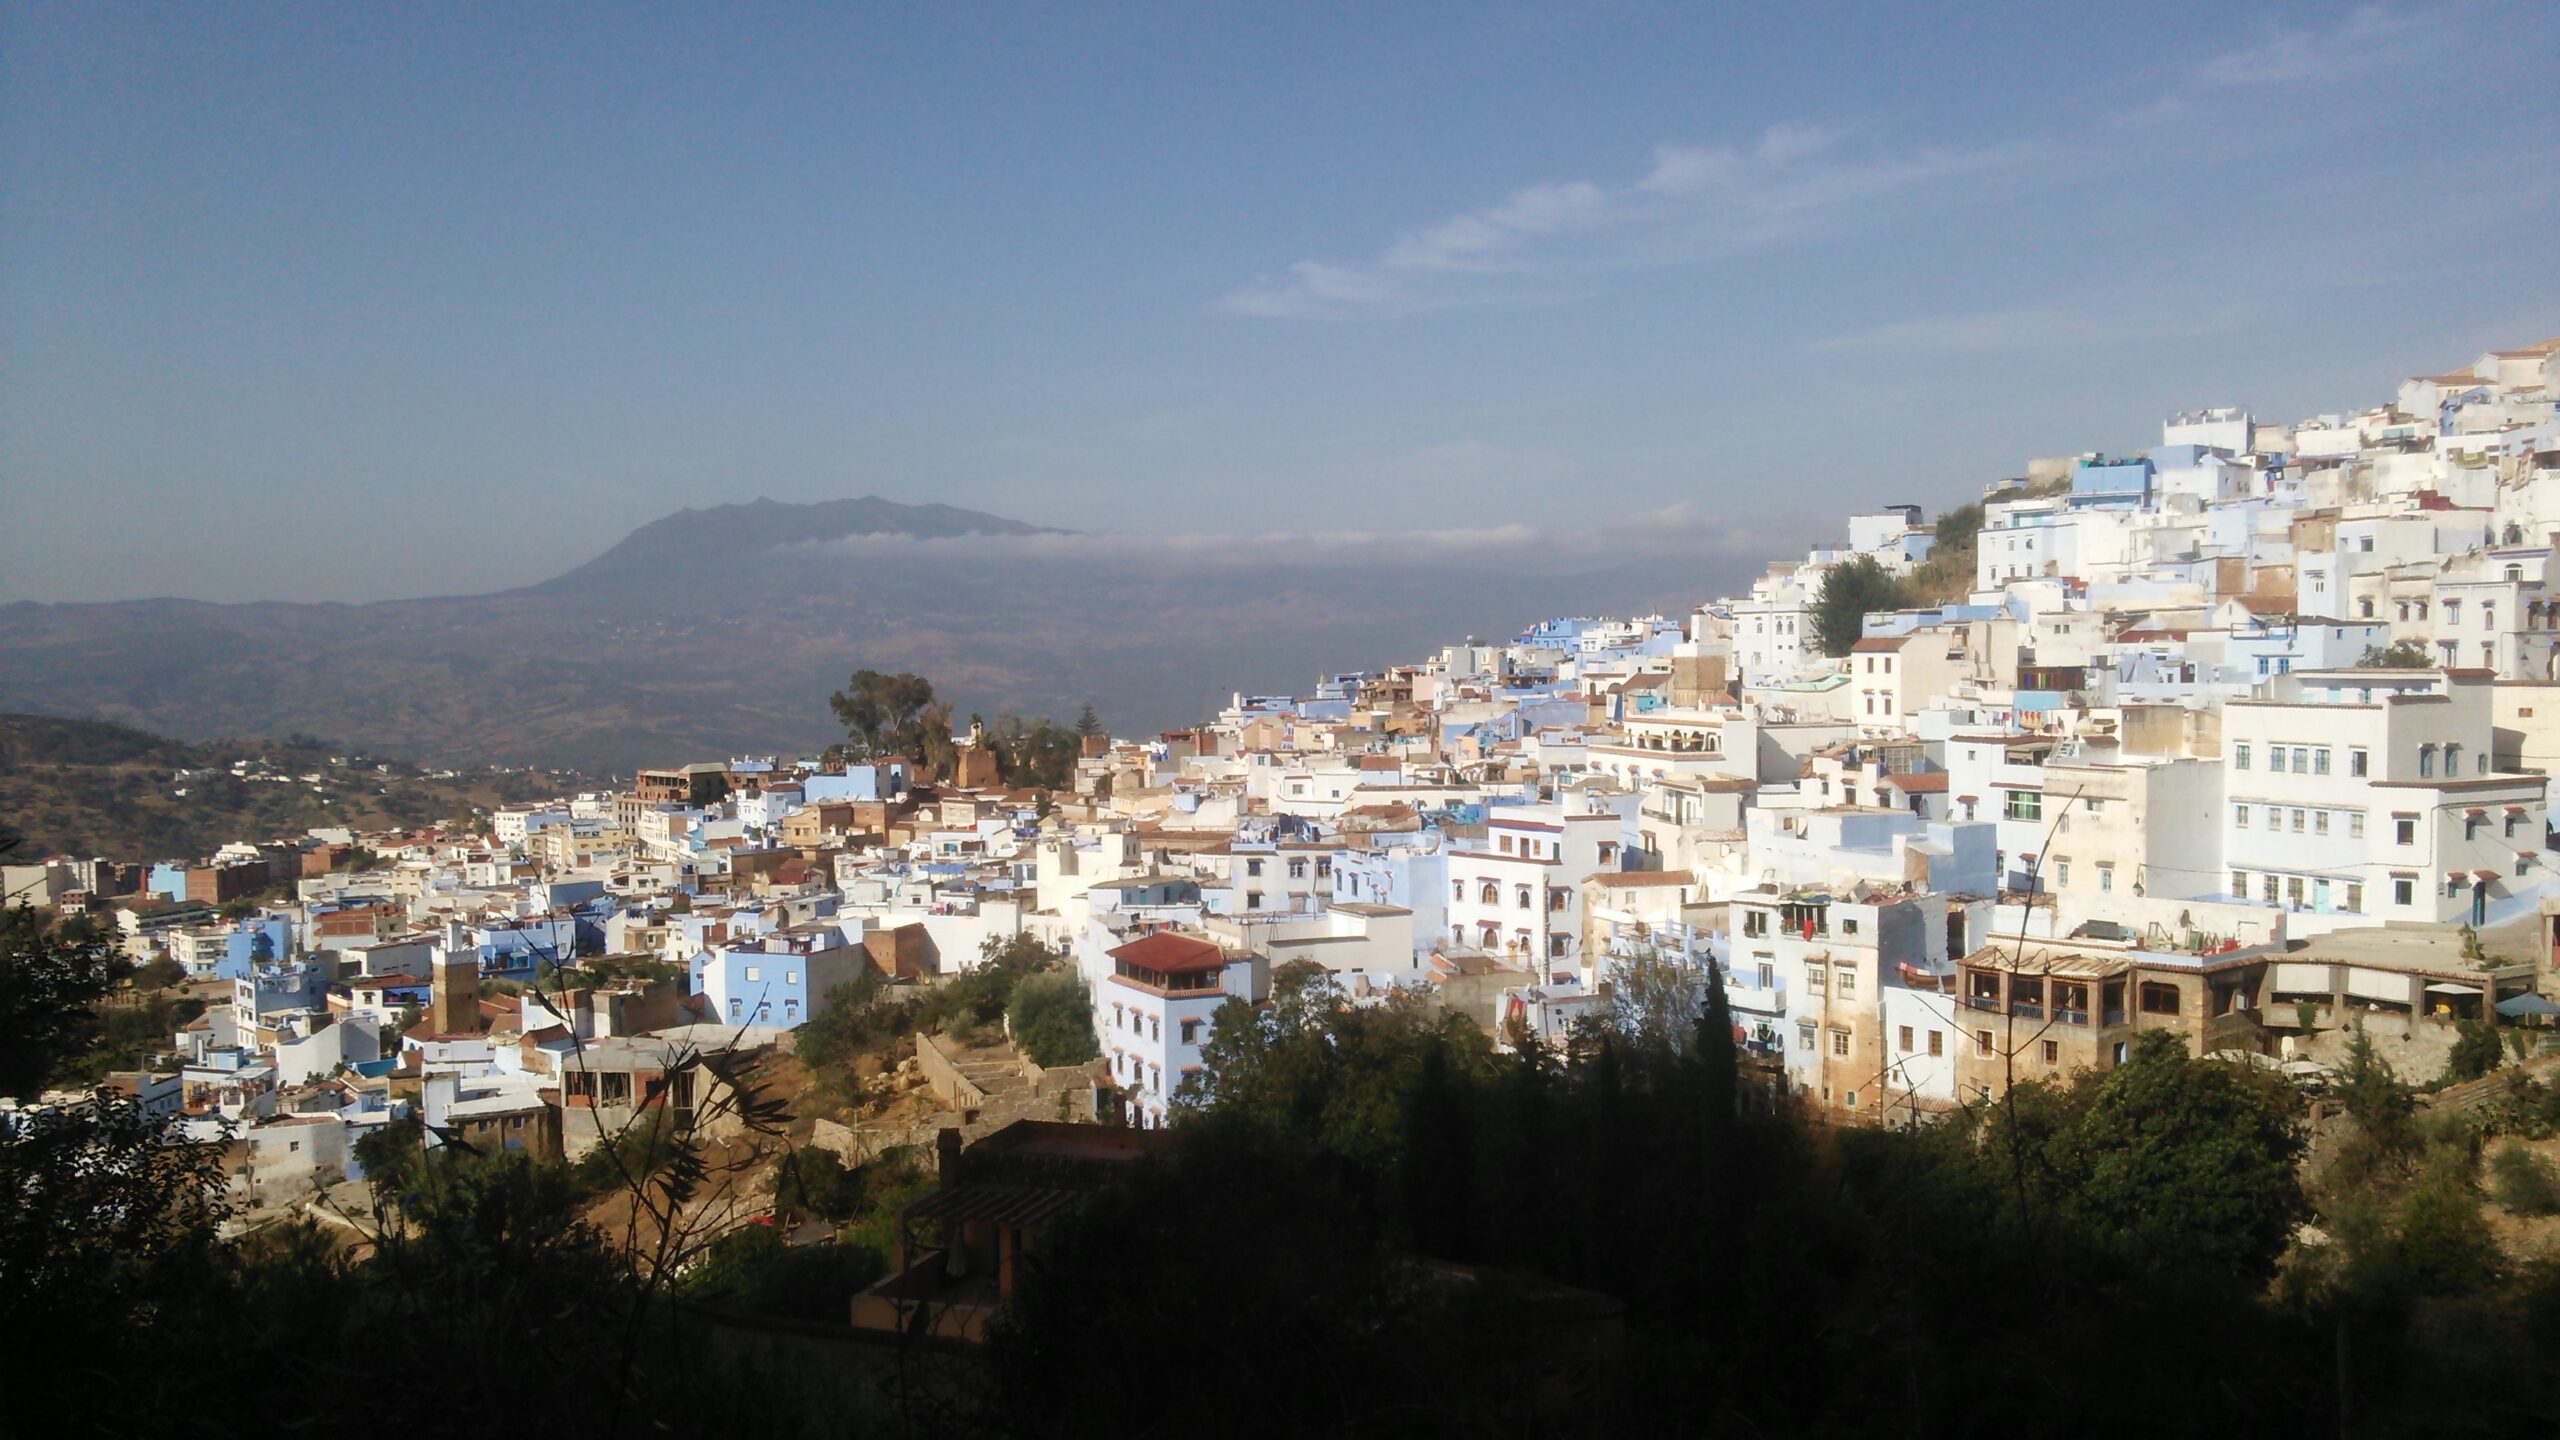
[
  {"x": 722, "y": 630},
  {"x": 733, "y": 533}
]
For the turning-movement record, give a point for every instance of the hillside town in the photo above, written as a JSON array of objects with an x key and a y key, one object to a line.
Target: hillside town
[{"x": 2247, "y": 738}]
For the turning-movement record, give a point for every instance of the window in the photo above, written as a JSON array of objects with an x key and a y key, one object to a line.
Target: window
[
  {"x": 2053, "y": 1052},
  {"x": 2452, "y": 761},
  {"x": 1755, "y": 922},
  {"x": 1297, "y": 869},
  {"x": 2320, "y": 761},
  {"x": 1804, "y": 1037},
  {"x": 754, "y": 973},
  {"x": 2297, "y": 822},
  {"x": 1155, "y": 1027},
  {"x": 1839, "y": 1042},
  {"x": 2106, "y": 877},
  {"x": 1491, "y": 893},
  {"x": 1815, "y": 976},
  {"x": 2355, "y": 824},
  {"x": 2239, "y": 884},
  {"x": 1937, "y": 1042},
  {"x": 2240, "y": 756},
  {"x": 1847, "y": 984},
  {"x": 1521, "y": 897},
  {"x": 2061, "y": 873},
  {"x": 2267, "y": 888},
  {"x": 2357, "y": 761},
  {"x": 1558, "y": 897},
  {"x": 2404, "y": 829},
  {"x": 2301, "y": 759},
  {"x": 2293, "y": 891},
  {"x": 2426, "y": 761},
  {"x": 2240, "y": 817},
  {"x": 1555, "y": 947},
  {"x": 2404, "y": 890},
  {"x": 2275, "y": 753},
  {"x": 1458, "y": 890},
  {"x": 2524, "y": 866},
  {"x": 1767, "y": 974},
  {"x": 1848, "y": 927},
  {"x": 1905, "y": 1038},
  {"x": 1982, "y": 1044},
  {"x": 2159, "y": 999},
  {"x": 2023, "y": 805},
  {"x": 2355, "y": 896},
  {"x": 1253, "y": 867},
  {"x": 1324, "y": 868},
  {"x": 1253, "y": 899}
]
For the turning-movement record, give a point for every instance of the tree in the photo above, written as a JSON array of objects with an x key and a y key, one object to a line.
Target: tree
[
  {"x": 2445, "y": 1245},
  {"x": 2476, "y": 1051},
  {"x": 1654, "y": 1000},
  {"x": 1088, "y": 723},
  {"x": 1850, "y": 591},
  {"x": 51, "y": 979},
  {"x": 2183, "y": 1162},
  {"x": 2382, "y": 1107},
  {"x": 1051, "y": 1017},
  {"x": 2399, "y": 655},
  {"x": 880, "y": 712}
]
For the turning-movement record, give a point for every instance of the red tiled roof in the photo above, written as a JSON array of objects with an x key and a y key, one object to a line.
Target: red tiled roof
[
  {"x": 1171, "y": 954},
  {"x": 1932, "y": 783}
]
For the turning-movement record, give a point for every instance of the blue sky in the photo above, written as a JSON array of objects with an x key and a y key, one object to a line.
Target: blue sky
[{"x": 350, "y": 304}]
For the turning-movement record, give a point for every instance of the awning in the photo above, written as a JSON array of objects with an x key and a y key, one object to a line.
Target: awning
[
  {"x": 2443, "y": 989},
  {"x": 2516, "y": 1007},
  {"x": 2484, "y": 874},
  {"x": 2516, "y": 810},
  {"x": 2475, "y": 810}
]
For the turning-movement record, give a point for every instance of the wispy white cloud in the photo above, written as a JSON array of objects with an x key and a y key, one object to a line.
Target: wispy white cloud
[
  {"x": 2282, "y": 56},
  {"x": 1692, "y": 203},
  {"x": 2362, "y": 39},
  {"x": 1681, "y": 531},
  {"x": 2042, "y": 327}
]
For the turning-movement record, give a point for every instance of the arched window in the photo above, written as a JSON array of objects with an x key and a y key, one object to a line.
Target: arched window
[
  {"x": 2452, "y": 761},
  {"x": 1491, "y": 894},
  {"x": 2426, "y": 761}
]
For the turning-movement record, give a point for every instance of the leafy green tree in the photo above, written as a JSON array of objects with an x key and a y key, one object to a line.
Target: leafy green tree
[
  {"x": 52, "y": 977},
  {"x": 2384, "y": 1109},
  {"x": 2445, "y": 1245},
  {"x": 2399, "y": 655},
  {"x": 1088, "y": 723},
  {"x": 1850, "y": 591},
  {"x": 2523, "y": 1181},
  {"x": 1051, "y": 1018},
  {"x": 2184, "y": 1162},
  {"x": 814, "y": 1181},
  {"x": 2476, "y": 1051},
  {"x": 881, "y": 713},
  {"x": 161, "y": 973}
]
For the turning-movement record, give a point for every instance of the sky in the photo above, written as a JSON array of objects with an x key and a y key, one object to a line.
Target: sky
[{"x": 353, "y": 303}]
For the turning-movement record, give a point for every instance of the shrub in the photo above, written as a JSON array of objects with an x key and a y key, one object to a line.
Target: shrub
[{"x": 2523, "y": 1181}]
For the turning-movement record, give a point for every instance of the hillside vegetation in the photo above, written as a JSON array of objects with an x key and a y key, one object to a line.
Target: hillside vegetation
[{"x": 89, "y": 787}]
